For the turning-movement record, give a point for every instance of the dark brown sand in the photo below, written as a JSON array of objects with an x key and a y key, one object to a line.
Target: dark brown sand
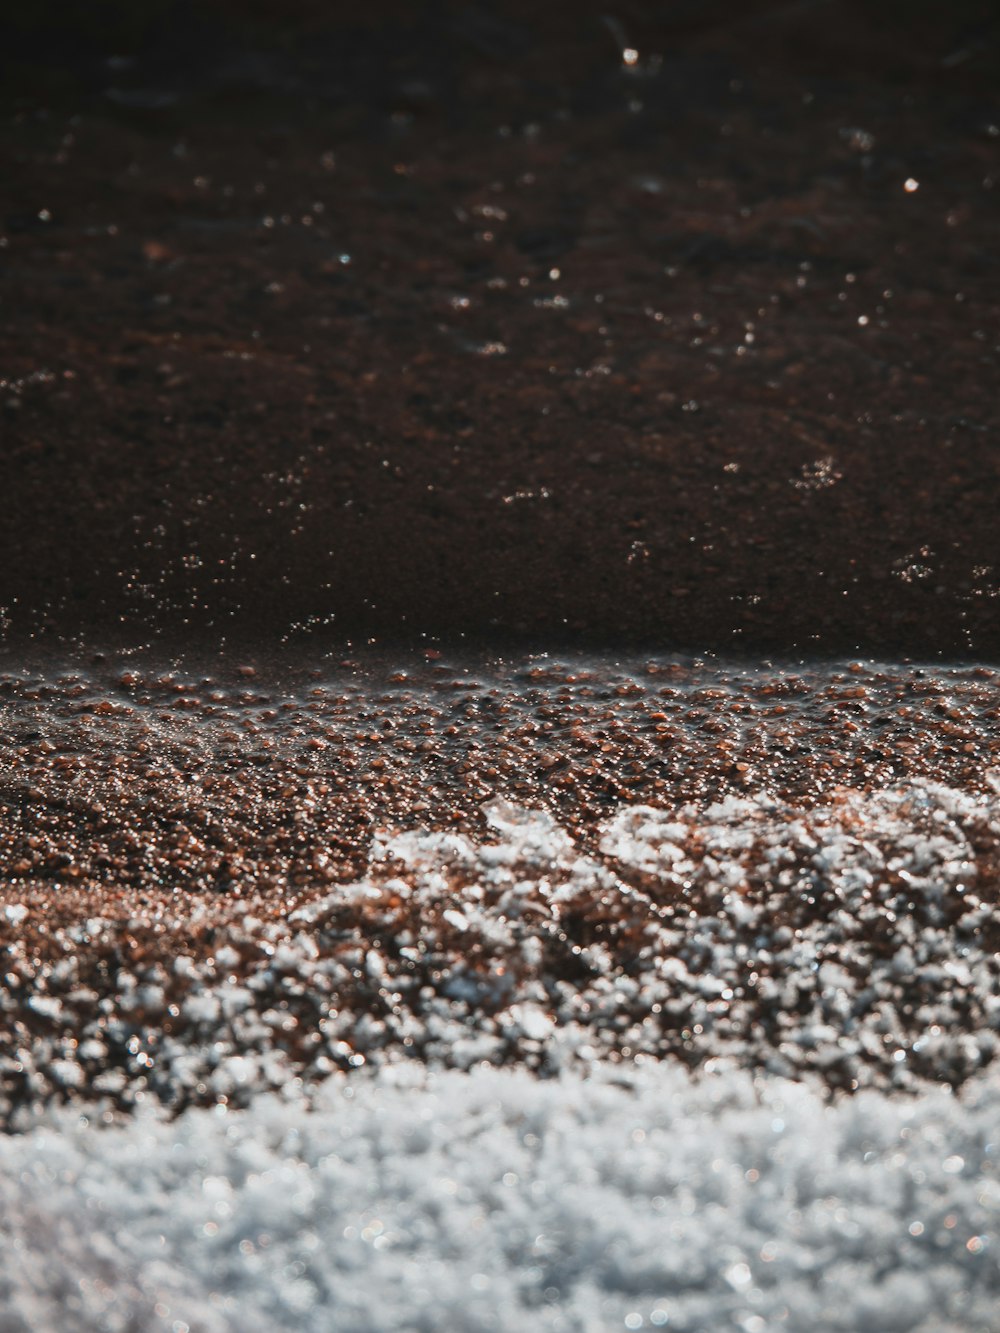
[
  {"x": 505, "y": 324},
  {"x": 250, "y": 779},
  {"x": 380, "y": 349}
]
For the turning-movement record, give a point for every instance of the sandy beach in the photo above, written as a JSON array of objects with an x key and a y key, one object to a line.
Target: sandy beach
[{"x": 499, "y": 698}]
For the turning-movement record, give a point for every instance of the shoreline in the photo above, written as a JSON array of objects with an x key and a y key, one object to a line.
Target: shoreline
[{"x": 453, "y": 861}]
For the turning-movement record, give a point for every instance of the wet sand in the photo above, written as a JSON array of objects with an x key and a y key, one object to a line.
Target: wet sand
[
  {"x": 348, "y": 361},
  {"x": 509, "y": 326},
  {"x": 235, "y": 777},
  {"x": 308, "y": 870},
  {"x": 499, "y": 712}
]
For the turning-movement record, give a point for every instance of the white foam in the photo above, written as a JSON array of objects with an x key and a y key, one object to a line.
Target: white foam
[
  {"x": 492, "y": 1200},
  {"x": 449, "y": 1194},
  {"x": 847, "y": 938}
]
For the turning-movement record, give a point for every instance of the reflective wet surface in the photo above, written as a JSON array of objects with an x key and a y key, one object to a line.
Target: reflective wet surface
[
  {"x": 673, "y": 328},
  {"x": 499, "y": 715},
  {"x": 222, "y": 881}
]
